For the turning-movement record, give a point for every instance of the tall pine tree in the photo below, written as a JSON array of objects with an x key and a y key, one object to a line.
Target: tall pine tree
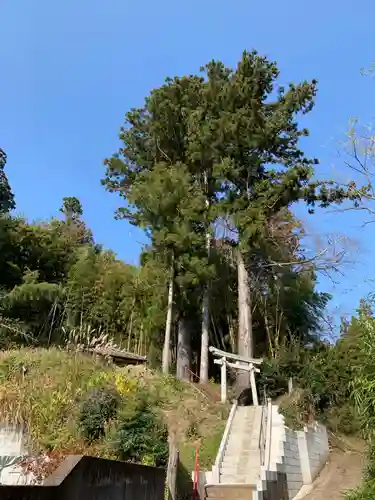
[
  {"x": 227, "y": 146},
  {"x": 7, "y": 202}
]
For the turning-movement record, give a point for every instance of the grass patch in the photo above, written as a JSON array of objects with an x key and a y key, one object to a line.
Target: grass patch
[{"x": 74, "y": 403}]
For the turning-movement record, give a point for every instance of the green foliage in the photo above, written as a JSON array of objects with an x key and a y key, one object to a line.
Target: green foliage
[
  {"x": 73, "y": 404},
  {"x": 97, "y": 409},
  {"x": 342, "y": 419},
  {"x": 365, "y": 492},
  {"x": 273, "y": 379},
  {"x": 7, "y": 202},
  {"x": 298, "y": 408},
  {"x": 322, "y": 374},
  {"x": 38, "y": 305},
  {"x": 13, "y": 333},
  {"x": 48, "y": 248},
  {"x": 40, "y": 389},
  {"x": 140, "y": 433},
  {"x": 53, "y": 279},
  {"x": 221, "y": 149},
  {"x": 364, "y": 376},
  {"x": 370, "y": 467},
  {"x": 71, "y": 208},
  {"x": 360, "y": 337}
]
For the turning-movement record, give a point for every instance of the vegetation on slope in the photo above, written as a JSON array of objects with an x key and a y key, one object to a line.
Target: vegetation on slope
[{"x": 72, "y": 403}]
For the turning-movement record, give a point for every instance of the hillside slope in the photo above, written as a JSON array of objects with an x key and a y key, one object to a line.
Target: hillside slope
[
  {"x": 343, "y": 472},
  {"x": 72, "y": 403}
]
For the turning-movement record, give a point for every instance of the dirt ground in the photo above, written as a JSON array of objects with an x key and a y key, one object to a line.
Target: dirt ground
[{"x": 342, "y": 473}]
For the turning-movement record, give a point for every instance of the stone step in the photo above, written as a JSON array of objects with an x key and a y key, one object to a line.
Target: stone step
[
  {"x": 241, "y": 455},
  {"x": 237, "y": 444},
  {"x": 234, "y": 453},
  {"x": 242, "y": 424},
  {"x": 241, "y": 471},
  {"x": 229, "y": 491},
  {"x": 239, "y": 478},
  {"x": 248, "y": 462},
  {"x": 244, "y": 431},
  {"x": 242, "y": 458},
  {"x": 240, "y": 466},
  {"x": 252, "y": 442}
]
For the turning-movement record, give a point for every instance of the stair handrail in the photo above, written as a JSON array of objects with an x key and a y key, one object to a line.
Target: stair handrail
[
  {"x": 223, "y": 444},
  {"x": 263, "y": 433},
  {"x": 268, "y": 443}
]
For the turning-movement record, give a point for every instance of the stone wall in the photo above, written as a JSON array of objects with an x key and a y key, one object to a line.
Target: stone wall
[
  {"x": 292, "y": 463},
  {"x": 313, "y": 451},
  {"x": 296, "y": 459}
]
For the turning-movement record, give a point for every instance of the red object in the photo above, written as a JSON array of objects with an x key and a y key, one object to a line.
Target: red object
[{"x": 196, "y": 474}]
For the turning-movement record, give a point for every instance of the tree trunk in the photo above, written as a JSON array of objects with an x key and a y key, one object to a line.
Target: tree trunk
[
  {"x": 183, "y": 350},
  {"x": 168, "y": 326},
  {"x": 172, "y": 470},
  {"x": 203, "y": 375},
  {"x": 245, "y": 333}
]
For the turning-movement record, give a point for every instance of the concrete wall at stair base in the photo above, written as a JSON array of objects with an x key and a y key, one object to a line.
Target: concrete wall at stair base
[
  {"x": 204, "y": 477},
  {"x": 296, "y": 460},
  {"x": 12, "y": 445},
  {"x": 292, "y": 463},
  {"x": 275, "y": 487},
  {"x": 313, "y": 449}
]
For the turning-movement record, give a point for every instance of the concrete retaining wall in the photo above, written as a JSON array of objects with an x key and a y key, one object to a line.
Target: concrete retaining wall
[
  {"x": 297, "y": 457},
  {"x": 313, "y": 451},
  {"x": 292, "y": 463},
  {"x": 13, "y": 445}
]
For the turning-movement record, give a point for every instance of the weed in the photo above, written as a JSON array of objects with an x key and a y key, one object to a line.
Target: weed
[
  {"x": 66, "y": 400},
  {"x": 97, "y": 409},
  {"x": 141, "y": 435}
]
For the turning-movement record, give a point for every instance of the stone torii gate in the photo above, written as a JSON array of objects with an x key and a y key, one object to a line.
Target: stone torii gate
[{"x": 239, "y": 363}]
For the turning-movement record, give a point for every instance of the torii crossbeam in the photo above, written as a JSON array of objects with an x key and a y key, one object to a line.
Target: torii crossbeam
[{"x": 240, "y": 363}]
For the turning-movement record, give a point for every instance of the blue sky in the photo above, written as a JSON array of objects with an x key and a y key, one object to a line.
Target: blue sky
[{"x": 70, "y": 71}]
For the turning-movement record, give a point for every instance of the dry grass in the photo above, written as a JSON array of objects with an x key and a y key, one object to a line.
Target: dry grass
[
  {"x": 194, "y": 415},
  {"x": 42, "y": 390}
]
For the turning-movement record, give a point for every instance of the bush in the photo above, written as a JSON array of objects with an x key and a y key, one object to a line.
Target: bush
[
  {"x": 140, "y": 435},
  {"x": 96, "y": 411},
  {"x": 370, "y": 465},
  {"x": 297, "y": 408},
  {"x": 366, "y": 492},
  {"x": 272, "y": 380},
  {"x": 342, "y": 419}
]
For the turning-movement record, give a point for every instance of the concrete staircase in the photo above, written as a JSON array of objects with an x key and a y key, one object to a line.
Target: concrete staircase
[
  {"x": 259, "y": 458},
  {"x": 239, "y": 470},
  {"x": 241, "y": 460},
  {"x": 230, "y": 492}
]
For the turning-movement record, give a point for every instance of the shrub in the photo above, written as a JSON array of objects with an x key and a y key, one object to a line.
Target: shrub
[
  {"x": 140, "y": 435},
  {"x": 98, "y": 408},
  {"x": 370, "y": 465},
  {"x": 342, "y": 419},
  {"x": 272, "y": 380},
  {"x": 297, "y": 408},
  {"x": 366, "y": 492}
]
